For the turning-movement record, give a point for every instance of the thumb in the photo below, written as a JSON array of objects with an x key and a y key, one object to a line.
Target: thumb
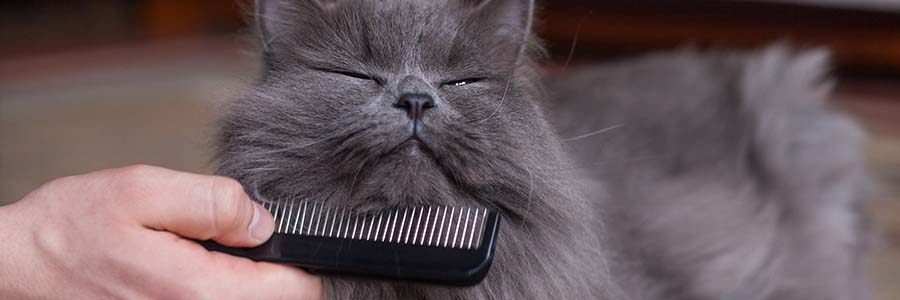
[{"x": 200, "y": 207}]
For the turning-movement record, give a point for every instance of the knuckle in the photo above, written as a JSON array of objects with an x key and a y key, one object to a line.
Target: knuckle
[
  {"x": 56, "y": 184},
  {"x": 138, "y": 170},
  {"x": 133, "y": 175},
  {"x": 226, "y": 200}
]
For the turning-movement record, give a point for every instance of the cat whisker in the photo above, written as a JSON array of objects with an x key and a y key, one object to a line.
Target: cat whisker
[
  {"x": 593, "y": 133},
  {"x": 600, "y": 163},
  {"x": 353, "y": 182},
  {"x": 528, "y": 198},
  {"x": 523, "y": 46},
  {"x": 304, "y": 145},
  {"x": 575, "y": 39}
]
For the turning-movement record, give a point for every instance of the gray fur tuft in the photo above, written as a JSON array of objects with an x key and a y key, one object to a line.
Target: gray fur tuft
[{"x": 728, "y": 175}]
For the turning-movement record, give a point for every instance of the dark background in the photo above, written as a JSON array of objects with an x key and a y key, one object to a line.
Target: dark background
[{"x": 865, "y": 39}]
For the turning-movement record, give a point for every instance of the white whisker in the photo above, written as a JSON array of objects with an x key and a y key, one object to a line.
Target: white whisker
[{"x": 593, "y": 133}]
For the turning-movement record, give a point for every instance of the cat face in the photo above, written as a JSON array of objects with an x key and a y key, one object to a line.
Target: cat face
[{"x": 383, "y": 103}]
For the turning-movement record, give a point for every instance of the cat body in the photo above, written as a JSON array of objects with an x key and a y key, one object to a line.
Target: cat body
[
  {"x": 726, "y": 174},
  {"x": 375, "y": 105}
]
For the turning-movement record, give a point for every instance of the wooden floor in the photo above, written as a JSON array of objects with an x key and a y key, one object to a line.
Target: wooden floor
[{"x": 156, "y": 104}]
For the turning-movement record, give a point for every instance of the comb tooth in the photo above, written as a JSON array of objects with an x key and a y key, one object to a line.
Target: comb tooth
[
  {"x": 275, "y": 212},
  {"x": 434, "y": 225},
  {"x": 471, "y": 234},
  {"x": 387, "y": 225},
  {"x": 393, "y": 226},
  {"x": 335, "y": 223},
  {"x": 460, "y": 227},
  {"x": 371, "y": 225},
  {"x": 341, "y": 231},
  {"x": 418, "y": 222},
  {"x": 441, "y": 227},
  {"x": 365, "y": 233},
  {"x": 319, "y": 219},
  {"x": 284, "y": 211},
  {"x": 381, "y": 233},
  {"x": 402, "y": 224},
  {"x": 347, "y": 229},
  {"x": 325, "y": 220},
  {"x": 362, "y": 226},
  {"x": 409, "y": 225},
  {"x": 290, "y": 216},
  {"x": 425, "y": 229},
  {"x": 449, "y": 226},
  {"x": 312, "y": 219},
  {"x": 359, "y": 230},
  {"x": 355, "y": 228},
  {"x": 341, "y": 221},
  {"x": 303, "y": 216},
  {"x": 277, "y": 215},
  {"x": 462, "y": 241},
  {"x": 296, "y": 215},
  {"x": 437, "y": 217},
  {"x": 481, "y": 225},
  {"x": 290, "y": 213},
  {"x": 285, "y": 216},
  {"x": 308, "y": 214},
  {"x": 449, "y": 223},
  {"x": 458, "y": 224},
  {"x": 378, "y": 226}
]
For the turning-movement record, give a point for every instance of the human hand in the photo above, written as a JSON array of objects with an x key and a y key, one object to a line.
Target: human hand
[{"x": 123, "y": 234}]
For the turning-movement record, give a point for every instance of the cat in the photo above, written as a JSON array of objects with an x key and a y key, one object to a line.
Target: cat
[{"x": 374, "y": 105}]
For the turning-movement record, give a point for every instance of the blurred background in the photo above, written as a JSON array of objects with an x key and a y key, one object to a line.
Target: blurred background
[{"x": 92, "y": 84}]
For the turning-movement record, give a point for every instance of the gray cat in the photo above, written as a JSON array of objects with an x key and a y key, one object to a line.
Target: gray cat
[{"x": 382, "y": 104}]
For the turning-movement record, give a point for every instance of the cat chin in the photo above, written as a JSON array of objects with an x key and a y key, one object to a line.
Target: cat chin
[{"x": 407, "y": 176}]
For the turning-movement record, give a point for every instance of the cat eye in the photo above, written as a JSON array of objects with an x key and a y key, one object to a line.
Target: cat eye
[
  {"x": 462, "y": 82},
  {"x": 355, "y": 75}
]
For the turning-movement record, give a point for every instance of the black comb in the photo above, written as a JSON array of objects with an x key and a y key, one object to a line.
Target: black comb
[{"x": 438, "y": 244}]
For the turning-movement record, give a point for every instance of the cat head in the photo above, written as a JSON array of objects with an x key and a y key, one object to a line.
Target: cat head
[{"x": 391, "y": 102}]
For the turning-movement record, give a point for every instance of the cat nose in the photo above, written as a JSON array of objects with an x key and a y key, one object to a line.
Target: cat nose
[{"x": 415, "y": 105}]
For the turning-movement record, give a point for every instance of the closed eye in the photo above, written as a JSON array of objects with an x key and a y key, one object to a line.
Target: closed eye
[
  {"x": 354, "y": 75},
  {"x": 462, "y": 82}
]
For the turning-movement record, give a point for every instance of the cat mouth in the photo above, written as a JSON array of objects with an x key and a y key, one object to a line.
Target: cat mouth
[
  {"x": 413, "y": 147},
  {"x": 414, "y": 142}
]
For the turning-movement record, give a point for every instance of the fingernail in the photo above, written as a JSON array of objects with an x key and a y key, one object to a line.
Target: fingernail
[{"x": 260, "y": 228}]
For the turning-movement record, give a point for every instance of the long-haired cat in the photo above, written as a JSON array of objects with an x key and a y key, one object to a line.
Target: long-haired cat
[{"x": 380, "y": 104}]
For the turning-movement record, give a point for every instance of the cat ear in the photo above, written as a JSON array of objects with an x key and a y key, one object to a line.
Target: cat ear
[
  {"x": 512, "y": 18},
  {"x": 269, "y": 14},
  {"x": 265, "y": 20}
]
